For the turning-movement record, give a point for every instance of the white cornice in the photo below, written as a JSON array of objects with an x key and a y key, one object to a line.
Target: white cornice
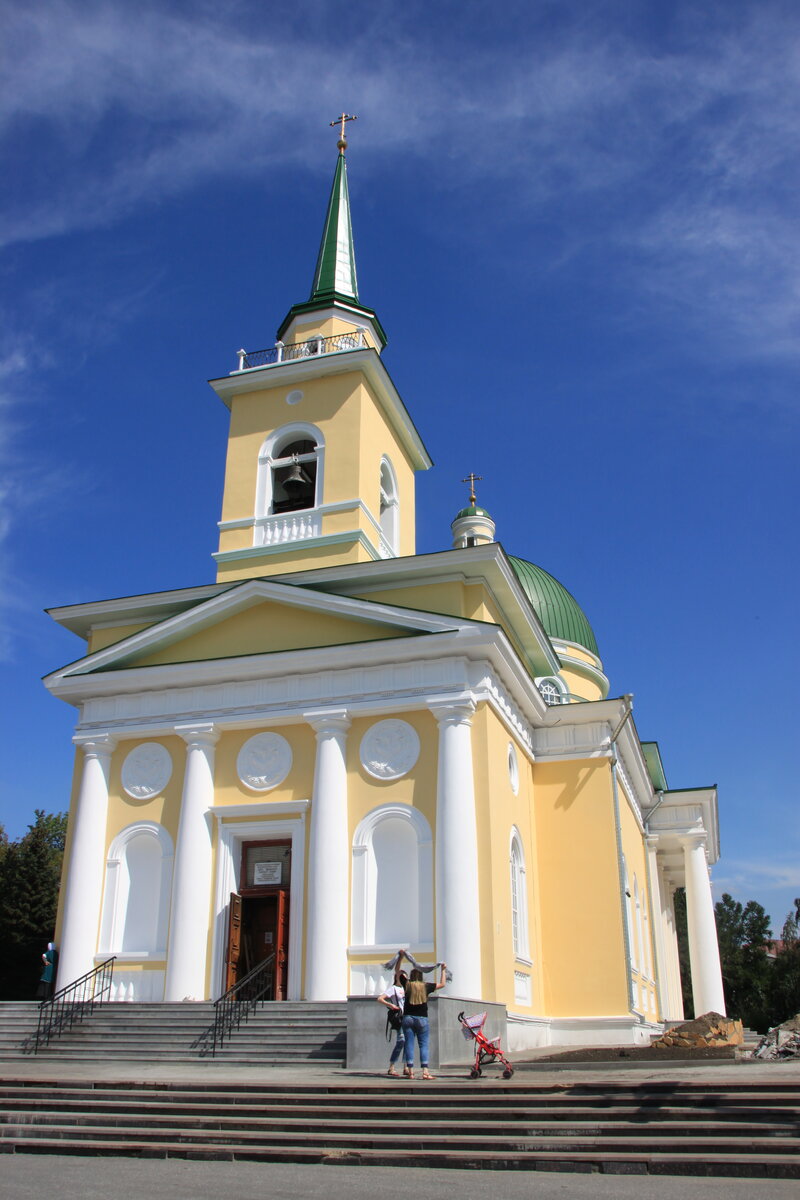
[
  {"x": 367, "y": 362},
  {"x": 350, "y": 537},
  {"x": 152, "y": 606}
]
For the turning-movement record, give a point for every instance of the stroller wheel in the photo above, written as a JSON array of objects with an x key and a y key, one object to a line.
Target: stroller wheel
[
  {"x": 475, "y": 1073},
  {"x": 509, "y": 1071}
]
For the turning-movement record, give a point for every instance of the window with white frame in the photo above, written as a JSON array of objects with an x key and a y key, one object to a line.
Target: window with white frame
[
  {"x": 389, "y": 507},
  {"x": 519, "y": 897},
  {"x": 290, "y": 471},
  {"x": 552, "y": 690},
  {"x": 392, "y": 878}
]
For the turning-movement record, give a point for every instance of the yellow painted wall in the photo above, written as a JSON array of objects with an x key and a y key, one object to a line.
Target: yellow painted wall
[
  {"x": 100, "y": 638},
  {"x": 265, "y": 628},
  {"x": 582, "y": 943},
  {"x": 314, "y": 558},
  {"x": 498, "y": 811},
  {"x": 579, "y": 685},
  {"x": 356, "y": 435},
  {"x": 417, "y": 788}
]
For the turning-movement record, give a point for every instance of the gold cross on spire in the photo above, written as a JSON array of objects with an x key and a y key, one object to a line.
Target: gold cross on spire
[
  {"x": 342, "y": 143},
  {"x": 472, "y": 479}
]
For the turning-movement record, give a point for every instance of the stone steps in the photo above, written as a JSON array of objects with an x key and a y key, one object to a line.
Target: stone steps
[
  {"x": 675, "y": 1128},
  {"x": 277, "y": 1033}
]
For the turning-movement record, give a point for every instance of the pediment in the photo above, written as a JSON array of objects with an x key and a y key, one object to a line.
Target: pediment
[{"x": 261, "y": 617}]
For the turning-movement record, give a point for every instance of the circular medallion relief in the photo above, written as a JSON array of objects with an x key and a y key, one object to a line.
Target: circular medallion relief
[
  {"x": 294, "y": 397},
  {"x": 389, "y": 749},
  {"x": 513, "y": 768},
  {"x": 264, "y": 761},
  {"x": 146, "y": 770}
]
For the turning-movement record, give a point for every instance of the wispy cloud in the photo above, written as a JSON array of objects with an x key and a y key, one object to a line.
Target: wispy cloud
[{"x": 680, "y": 158}]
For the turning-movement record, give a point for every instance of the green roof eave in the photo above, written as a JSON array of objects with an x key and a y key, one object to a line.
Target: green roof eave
[
  {"x": 332, "y": 300},
  {"x": 655, "y": 767}
]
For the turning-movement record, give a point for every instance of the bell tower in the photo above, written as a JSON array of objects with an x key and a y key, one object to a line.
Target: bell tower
[{"x": 322, "y": 453}]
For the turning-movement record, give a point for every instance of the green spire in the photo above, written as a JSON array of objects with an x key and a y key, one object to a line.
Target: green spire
[{"x": 336, "y": 264}]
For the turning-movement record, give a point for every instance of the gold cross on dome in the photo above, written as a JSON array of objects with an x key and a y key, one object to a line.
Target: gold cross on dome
[
  {"x": 472, "y": 479},
  {"x": 342, "y": 143}
]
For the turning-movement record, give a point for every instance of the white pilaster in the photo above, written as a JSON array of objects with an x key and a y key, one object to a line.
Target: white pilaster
[
  {"x": 458, "y": 936},
  {"x": 707, "y": 989},
  {"x": 84, "y": 883},
  {"x": 328, "y": 862},
  {"x": 191, "y": 885}
]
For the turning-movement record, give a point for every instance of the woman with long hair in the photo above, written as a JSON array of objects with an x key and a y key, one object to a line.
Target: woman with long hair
[
  {"x": 415, "y": 1020},
  {"x": 394, "y": 998}
]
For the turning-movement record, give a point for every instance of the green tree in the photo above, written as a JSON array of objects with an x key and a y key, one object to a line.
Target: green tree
[
  {"x": 785, "y": 981},
  {"x": 743, "y": 932},
  {"x": 30, "y": 873},
  {"x": 682, "y": 933}
]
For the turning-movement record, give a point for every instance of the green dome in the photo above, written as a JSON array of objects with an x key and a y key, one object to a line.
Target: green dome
[
  {"x": 472, "y": 510},
  {"x": 559, "y": 612}
]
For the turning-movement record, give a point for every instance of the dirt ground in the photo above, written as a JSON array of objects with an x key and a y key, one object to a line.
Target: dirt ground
[{"x": 641, "y": 1053}]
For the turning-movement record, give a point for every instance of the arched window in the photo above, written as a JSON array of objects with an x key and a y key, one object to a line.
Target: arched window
[
  {"x": 289, "y": 472},
  {"x": 552, "y": 690},
  {"x": 392, "y": 879},
  {"x": 137, "y": 892},
  {"x": 519, "y": 898},
  {"x": 390, "y": 508}
]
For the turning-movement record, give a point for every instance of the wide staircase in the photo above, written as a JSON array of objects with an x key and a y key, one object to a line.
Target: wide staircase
[
  {"x": 736, "y": 1129},
  {"x": 276, "y": 1034}
]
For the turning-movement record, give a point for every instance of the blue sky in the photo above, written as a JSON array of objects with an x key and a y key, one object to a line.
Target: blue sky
[{"x": 578, "y": 225}]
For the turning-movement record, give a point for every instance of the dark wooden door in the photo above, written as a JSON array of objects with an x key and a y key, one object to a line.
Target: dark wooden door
[
  {"x": 281, "y": 944},
  {"x": 234, "y": 940}
]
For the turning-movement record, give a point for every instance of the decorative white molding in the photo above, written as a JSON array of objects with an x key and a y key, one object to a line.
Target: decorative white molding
[
  {"x": 389, "y": 749},
  {"x": 143, "y": 986},
  {"x": 566, "y": 741},
  {"x": 117, "y": 893},
  {"x": 257, "y": 808},
  {"x": 264, "y": 761},
  {"x": 146, "y": 770},
  {"x": 365, "y": 880}
]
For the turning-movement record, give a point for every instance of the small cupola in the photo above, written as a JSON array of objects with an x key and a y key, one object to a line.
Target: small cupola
[{"x": 472, "y": 526}]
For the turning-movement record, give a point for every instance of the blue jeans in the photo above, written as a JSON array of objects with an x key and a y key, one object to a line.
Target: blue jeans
[
  {"x": 416, "y": 1027},
  {"x": 397, "y": 1048}
]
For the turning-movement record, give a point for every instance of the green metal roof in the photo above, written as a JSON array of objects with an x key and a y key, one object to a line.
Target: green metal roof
[
  {"x": 335, "y": 280},
  {"x": 472, "y": 510},
  {"x": 336, "y": 263},
  {"x": 655, "y": 767},
  {"x": 559, "y": 612}
]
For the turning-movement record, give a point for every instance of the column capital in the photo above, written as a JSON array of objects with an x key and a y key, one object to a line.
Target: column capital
[
  {"x": 95, "y": 745},
  {"x": 328, "y": 720},
  {"x": 458, "y": 711},
  {"x": 198, "y": 734},
  {"x": 652, "y": 841},
  {"x": 693, "y": 839}
]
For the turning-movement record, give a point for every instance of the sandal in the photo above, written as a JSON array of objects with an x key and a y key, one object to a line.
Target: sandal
[
  {"x": 427, "y": 1075},
  {"x": 392, "y": 1073},
  {"x": 408, "y": 1073}
]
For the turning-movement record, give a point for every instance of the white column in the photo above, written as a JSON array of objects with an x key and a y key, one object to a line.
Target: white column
[
  {"x": 328, "y": 862},
  {"x": 675, "y": 1006},
  {"x": 83, "y": 893},
  {"x": 707, "y": 991},
  {"x": 458, "y": 935},
  {"x": 191, "y": 883},
  {"x": 657, "y": 926}
]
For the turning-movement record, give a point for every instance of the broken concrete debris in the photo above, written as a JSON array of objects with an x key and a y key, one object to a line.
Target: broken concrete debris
[{"x": 712, "y": 1029}]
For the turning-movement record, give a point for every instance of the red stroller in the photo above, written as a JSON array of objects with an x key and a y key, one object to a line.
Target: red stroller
[{"x": 485, "y": 1048}]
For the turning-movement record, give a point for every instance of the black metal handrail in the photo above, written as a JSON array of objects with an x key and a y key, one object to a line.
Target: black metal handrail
[
  {"x": 236, "y": 1005},
  {"x": 316, "y": 345},
  {"x": 72, "y": 1004}
]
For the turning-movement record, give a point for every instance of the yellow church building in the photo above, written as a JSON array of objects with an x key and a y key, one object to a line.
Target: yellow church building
[{"x": 342, "y": 747}]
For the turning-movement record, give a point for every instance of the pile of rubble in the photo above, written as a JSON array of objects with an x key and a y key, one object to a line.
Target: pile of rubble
[
  {"x": 711, "y": 1029},
  {"x": 781, "y": 1042}
]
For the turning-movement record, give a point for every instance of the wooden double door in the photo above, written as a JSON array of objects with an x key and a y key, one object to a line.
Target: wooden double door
[{"x": 258, "y": 922}]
